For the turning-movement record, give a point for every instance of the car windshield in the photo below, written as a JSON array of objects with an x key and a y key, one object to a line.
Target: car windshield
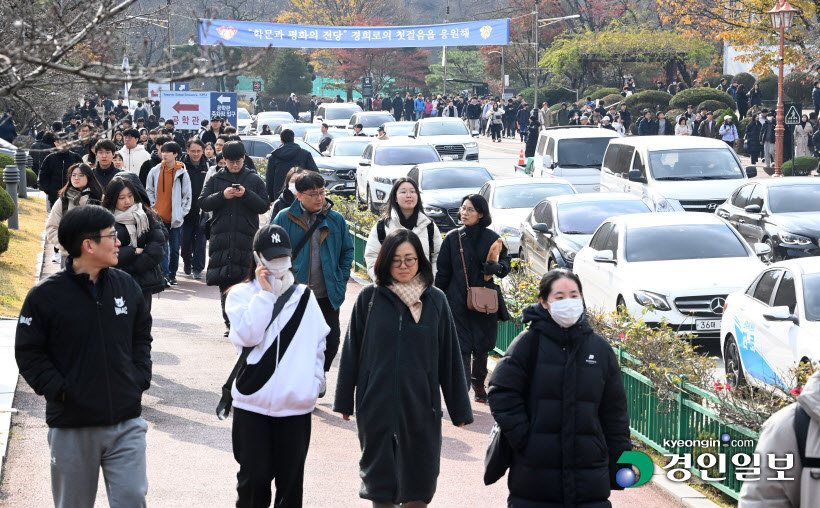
[
  {"x": 454, "y": 178},
  {"x": 397, "y": 155},
  {"x": 695, "y": 164},
  {"x": 315, "y": 153},
  {"x": 526, "y": 195},
  {"x": 349, "y": 149},
  {"x": 375, "y": 120},
  {"x": 583, "y": 218},
  {"x": 313, "y": 136},
  {"x": 581, "y": 152},
  {"x": 243, "y": 114},
  {"x": 794, "y": 198},
  {"x": 443, "y": 129},
  {"x": 811, "y": 296},
  {"x": 398, "y": 129},
  {"x": 343, "y": 113},
  {"x": 273, "y": 122},
  {"x": 684, "y": 241}
]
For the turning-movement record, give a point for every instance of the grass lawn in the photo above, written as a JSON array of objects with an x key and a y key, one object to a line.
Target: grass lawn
[{"x": 17, "y": 264}]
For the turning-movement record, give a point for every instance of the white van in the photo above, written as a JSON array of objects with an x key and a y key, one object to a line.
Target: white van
[
  {"x": 573, "y": 153},
  {"x": 335, "y": 115},
  {"x": 674, "y": 173}
]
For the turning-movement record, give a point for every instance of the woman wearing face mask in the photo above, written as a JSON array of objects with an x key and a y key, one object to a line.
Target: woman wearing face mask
[
  {"x": 802, "y": 136},
  {"x": 558, "y": 397},
  {"x": 484, "y": 256},
  {"x": 403, "y": 210},
  {"x": 287, "y": 195},
  {"x": 275, "y": 394},
  {"x": 400, "y": 353}
]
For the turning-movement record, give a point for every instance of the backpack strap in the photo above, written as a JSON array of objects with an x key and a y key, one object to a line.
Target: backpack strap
[
  {"x": 64, "y": 202},
  {"x": 801, "y": 432},
  {"x": 431, "y": 230},
  {"x": 380, "y": 230}
]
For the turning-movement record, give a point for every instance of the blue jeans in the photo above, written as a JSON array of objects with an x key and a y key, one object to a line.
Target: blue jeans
[
  {"x": 170, "y": 263},
  {"x": 193, "y": 245},
  {"x": 419, "y": 115}
]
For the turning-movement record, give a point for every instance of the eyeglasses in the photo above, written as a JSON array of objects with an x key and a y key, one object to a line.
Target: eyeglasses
[
  {"x": 112, "y": 235},
  {"x": 79, "y": 175},
  {"x": 408, "y": 262},
  {"x": 411, "y": 192},
  {"x": 314, "y": 195},
  {"x": 467, "y": 210},
  {"x": 229, "y": 162}
]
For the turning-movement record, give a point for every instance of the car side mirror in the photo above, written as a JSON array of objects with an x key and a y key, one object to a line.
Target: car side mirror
[
  {"x": 542, "y": 228},
  {"x": 604, "y": 256},
  {"x": 635, "y": 175},
  {"x": 761, "y": 249},
  {"x": 411, "y": 136},
  {"x": 751, "y": 171},
  {"x": 752, "y": 209},
  {"x": 780, "y": 313},
  {"x": 546, "y": 161},
  {"x": 364, "y": 162}
]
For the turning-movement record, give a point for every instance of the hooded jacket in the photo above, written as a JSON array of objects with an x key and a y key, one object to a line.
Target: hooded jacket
[
  {"x": 180, "y": 193},
  {"x": 371, "y": 251},
  {"x": 281, "y": 160},
  {"x": 197, "y": 173},
  {"x": 134, "y": 158},
  {"x": 90, "y": 357},
  {"x": 778, "y": 438},
  {"x": 564, "y": 414}
]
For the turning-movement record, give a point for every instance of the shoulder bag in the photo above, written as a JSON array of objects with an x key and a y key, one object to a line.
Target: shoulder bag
[{"x": 479, "y": 299}]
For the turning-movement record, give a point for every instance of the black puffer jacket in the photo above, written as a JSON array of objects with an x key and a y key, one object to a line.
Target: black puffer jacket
[
  {"x": 476, "y": 330},
  {"x": 282, "y": 203},
  {"x": 566, "y": 419},
  {"x": 233, "y": 225},
  {"x": 141, "y": 266}
]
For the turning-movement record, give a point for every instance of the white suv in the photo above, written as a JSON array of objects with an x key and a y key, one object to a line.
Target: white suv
[
  {"x": 335, "y": 115},
  {"x": 449, "y": 136},
  {"x": 573, "y": 153}
]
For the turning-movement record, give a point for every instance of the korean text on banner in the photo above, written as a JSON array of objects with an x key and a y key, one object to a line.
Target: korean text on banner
[{"x": 186, "y": 109}]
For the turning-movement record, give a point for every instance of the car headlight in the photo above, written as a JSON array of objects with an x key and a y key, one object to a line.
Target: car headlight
[
  {"x": 433, "y": 211},
  {"x": 569, "y": 254},
  {"x": 325, "y": 171},
  {"x": 662, "y": 205},
  {"x": 792, "y": 239},
  {"x": 382, "y": 179},
  {"x": 471, "y": 145},
  {"x": 650, "y": 299},
  {"x": 508, "y": 230}
]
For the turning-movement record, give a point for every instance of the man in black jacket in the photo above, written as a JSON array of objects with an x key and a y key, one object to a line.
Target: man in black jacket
[
  {"x": 474, "y": 115},
  {"x": 155, "y": 159},
  {"x": 235, "y": 219},
  {"x": 54, "y": 169},
  {"x": 409, "y": 109},
  {"x": 175, "y": 136},
  {"x": 398, "y": 106},
  {"x": 281, "y": 160},
  {"x": 105, "y": 169},
  {"x": 84, "y": 343},
  {"x": 214, "y": 131},
  {"x": 40, "y": 150},
  {"x": 193, "y": 238}
]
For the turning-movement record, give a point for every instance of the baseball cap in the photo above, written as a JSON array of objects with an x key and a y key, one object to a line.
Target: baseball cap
[
  {"x": 216, "y": 118},
  {"x": 272, "y": 241},
  {"x": 381, "y": 128}
]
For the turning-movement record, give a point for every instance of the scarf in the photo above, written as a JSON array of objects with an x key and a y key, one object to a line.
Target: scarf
[
  {"x": 410, "y": 294},
  {"x": 135, "y": 221},
  {"x": 409, "y": 222}
]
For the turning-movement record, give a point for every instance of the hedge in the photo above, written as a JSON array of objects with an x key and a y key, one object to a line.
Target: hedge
[
  {"x": 6, "y": 205},
  {"x": 715, "y": 106},
  {"x": 5, "y": 160},
  {"x": 804, "y": 166},
  {"x": 550, "y": 94},
  {"x": 31, "y": 178},
  {"x": 603, "y": 92},
  {"x": 653, "y": 100},
  {"x": 591, "y": 89},
  {"x": 798, "y": 86},
  {"x": 741, "y": 130},
  {"x": 768, "y": 87},
  {"x": 4, "y": 238},
  {"x": 745, "y": 79},
  {"x": 696, "y": 96},
  {"x": 611, "y": 99}
]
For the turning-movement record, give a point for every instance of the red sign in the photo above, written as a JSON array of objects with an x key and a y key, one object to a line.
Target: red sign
[
  {"x": 257, "y": 86},
  {"x": 185, "y": 107}
]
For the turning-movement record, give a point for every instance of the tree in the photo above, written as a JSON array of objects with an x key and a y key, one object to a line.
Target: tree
[
  {"x": 290, "y": 73},
  {"x": 390, "y": 68},
  {"x": 334, "y": 12},
  {"x": 462, "y": 63}
]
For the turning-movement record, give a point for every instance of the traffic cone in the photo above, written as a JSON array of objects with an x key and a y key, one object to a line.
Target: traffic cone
[{"x": 521, "y": 161}]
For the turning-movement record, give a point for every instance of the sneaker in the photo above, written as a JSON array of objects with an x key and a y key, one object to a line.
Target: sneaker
[
  {"x": 172, "y": 281},
  {"x": 323, "y": 389},
  {"x": 186, "y": 268},
  {"x": 57, "y": 258},
  {"x": 167, "y": 282},
  {"x": 480, "y": 394},
  {"x": 197, "y": 274},
  {"x": 227, "y": 332}
]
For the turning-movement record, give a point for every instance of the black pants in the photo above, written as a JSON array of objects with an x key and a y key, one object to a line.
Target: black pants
[
  {"x": 496, "y": 130},
  {"x": 479, "y": 368},
  {"x": 267, "y": 449},
  {"x": 149, "y": 297},
  {"x": 222, "y": 297},
  {"x": 332, "y": 319}
]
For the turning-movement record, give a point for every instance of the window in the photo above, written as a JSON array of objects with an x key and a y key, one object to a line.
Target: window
[
  {"x": 620, "y": 166},
  {"x": 785, "y": 293},
  {"x": 583, "y": 218},
  {"x": 443, "y": 128},
  {"x": 794, "y": 198},
  {"x": 368, "y": 153},
  {"x": 765, "y": 286},
  {"x": 454, "y": 178},
  {"x": 581, "y": 152},
  {"x": 599, "y": 240},
  {"x": 757, "y": 197},
  {"x": 551, "y": 149},
  {"x": 695, "y": 164},
  {"x": 538, "y": 212},
  {"x": 527, "y": 195},
  {"x": 540, "y": 148},
  {"x": 637, "y": 164},
  {"x": 414, "y": 174},
  {"x": 811, "y": 296},
  {"x": 406, "y": 155},
  {"x": 485, "y": 192},
  {"x": 548, "y": 216},
  {"x": 684, "y": 241},
  {"x": 741, "y": 196},
  {"x": 612, "y": 242}
]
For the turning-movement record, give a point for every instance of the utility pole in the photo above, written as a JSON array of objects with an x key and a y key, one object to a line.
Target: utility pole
[
  {"x": 170, "y": 48},
  {"x": 444, "y": 53},
  {"x": 535, "y": 36}
]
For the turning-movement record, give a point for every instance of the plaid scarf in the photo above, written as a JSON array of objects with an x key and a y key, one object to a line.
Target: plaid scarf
[{"x": 410, "y": 294}]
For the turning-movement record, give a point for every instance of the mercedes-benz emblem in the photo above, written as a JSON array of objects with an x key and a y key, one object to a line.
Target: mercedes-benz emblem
[
  {"x": 712, "y": 206},
  {"x": 716, "y": 305}
]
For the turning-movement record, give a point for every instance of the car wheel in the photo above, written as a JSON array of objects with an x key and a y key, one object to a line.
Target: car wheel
[
  {"x": 370, "y": 205},
  {"x": 732, "y": 364},
  {"x": 621, "y": 306},
  {"x": 769, "y": 258},
  {"x": 552, "y": 265}
]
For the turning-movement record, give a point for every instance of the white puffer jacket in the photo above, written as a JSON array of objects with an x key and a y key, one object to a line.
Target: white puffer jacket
[{"x": 371, "y": 251}]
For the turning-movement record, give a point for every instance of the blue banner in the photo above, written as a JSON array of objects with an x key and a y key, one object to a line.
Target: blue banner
[{"x": 245, "y": 33}]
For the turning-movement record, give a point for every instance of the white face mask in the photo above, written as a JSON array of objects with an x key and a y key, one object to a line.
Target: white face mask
[
  {"x": 567, "y": 312},
  {"x": 277, "y": 267},
  {"x": 769, "y": 118},
  {"x": 292, "y": 188}
]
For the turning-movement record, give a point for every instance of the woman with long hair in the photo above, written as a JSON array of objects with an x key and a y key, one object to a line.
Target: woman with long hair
[
  {"x": 559, "y": 400},
  {"x": 473, "y": 255},
  {"x": 91, "y": 157},
  {"x": 400, "y": 354},
  {"x": 403, "y": 210},
  {"x": 266, "y": 130},
  {"x": 81, "y": 188},
  {"x": 139, "y": 231},
  {"x": 495, "y": 118},
  {"x": 287, "y": 194},
  {"x": 118, "y": 140},
  {"x": 210, "y": 153},
  {"x": 755, "y": 97}
]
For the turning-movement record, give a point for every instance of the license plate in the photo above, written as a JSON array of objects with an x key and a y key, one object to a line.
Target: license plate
[
  {"x": 350, "y": 185},
  {"x": 707, "y": 325}
]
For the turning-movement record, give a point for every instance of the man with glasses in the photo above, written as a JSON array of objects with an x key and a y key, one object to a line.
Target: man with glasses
[
  {"x": 236, "y": 196},
  {"x": 326, "y": 256},
  {"x": 84, "y": 343},
  {"x": 193, "y": 238}
]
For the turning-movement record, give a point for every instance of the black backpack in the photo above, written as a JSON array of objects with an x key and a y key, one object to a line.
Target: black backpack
[
  {"x": 382, "y": 234},
  {"x": 801, "y": 432}
]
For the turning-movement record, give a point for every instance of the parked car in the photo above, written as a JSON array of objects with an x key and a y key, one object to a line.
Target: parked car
[
  {"x": 335, "y": 115},
  {"x": 272, "y": 119},
  {"x": 347, "y": 150},
  {"x": 398, "y": 129},
  {"x": 299, "y": 129},
  {"x": 783, "y": 213},
  {"x": 512, "y": 199},
  {"x": 340, "y": 178},
  {"x": 312, "y": 137},
  {"x": 383, "y": 162},
  {"x": 773, "y": 325},
  {"x": 444, "y": 184},
  {"x": 243, "y": 121},
  {"x": 674, "y": 173},
  {"x": 370, "y": 121},
  {"x": 678, "y": 266},
  {"x": 574, "y": 153},
  {"x": 559, "y": 226},
  {"x": 449, "y": 136}
]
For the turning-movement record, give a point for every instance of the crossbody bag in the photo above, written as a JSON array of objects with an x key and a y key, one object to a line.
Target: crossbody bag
[{"x": 479, "y": 299}]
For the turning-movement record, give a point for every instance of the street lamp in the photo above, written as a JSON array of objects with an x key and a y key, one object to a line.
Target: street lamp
[
  {"x": 546, "y": 22},
  {"x": 502, "y": 67},
  {"x": 782, "y": 16}
]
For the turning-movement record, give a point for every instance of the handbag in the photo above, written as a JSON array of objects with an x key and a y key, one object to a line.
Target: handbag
[{"x": 479, "y": 299}]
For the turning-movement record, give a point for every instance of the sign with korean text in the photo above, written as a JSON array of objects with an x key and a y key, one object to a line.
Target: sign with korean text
[
  {"x": 155, "y": 89},
  {"x": 186, "y": 109},
  {"x": 246, "y": 33},
  {"x": 224, "y": 105}
]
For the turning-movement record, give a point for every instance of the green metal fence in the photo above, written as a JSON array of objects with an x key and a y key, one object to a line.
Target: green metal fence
[
  {"x": 507, "y": 331},
  {"x": 359, "y": 243}
]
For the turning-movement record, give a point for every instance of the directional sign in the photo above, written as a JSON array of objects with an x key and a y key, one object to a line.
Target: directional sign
[
  {"x": 224, "y": 105},
  {"x": 793, "y": 113},
  {"x": 155, "y": 89},
  {"x": 182, "y": 87},
  {"x": 186, "y": 109}
]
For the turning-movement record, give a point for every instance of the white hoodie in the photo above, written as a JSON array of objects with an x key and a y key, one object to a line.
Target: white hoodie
[
  {"x": 294, "y": 387},
  {"x": 133, "y": 159}
]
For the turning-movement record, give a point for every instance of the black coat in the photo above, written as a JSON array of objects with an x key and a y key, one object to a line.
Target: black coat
[
  {"x": 141, "y": 266},
  {"x": 755, "y": 98},
  {"x": 476, "y": 330},
  {"x": 753, "y": 137},
  {"x": 233, "y": 224},
  {"x": 398, "y": 105},
  {"x": 104, "y": 176},
  {"x": 196, "y": 172},
  {"x": 767, "y": 131},
  {"x": 396, "y": 372},
  {"x": 565, "y": 419},
  {"x": 148, "y": 165},
  {"x": 532, "y": 139},
  {"x": 90, "y": 358},
  {"x": 282, "y": 202},
  {"x": 409, "y": 109},
  {"x": 38, "y": 154},
  {"x": 54, "y": 172},
  {"x": 281, "y": 160}
]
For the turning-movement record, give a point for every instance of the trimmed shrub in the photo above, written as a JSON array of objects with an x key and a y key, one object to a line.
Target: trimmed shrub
[
  {"x": 652, "y": 100},
  {"x": 6, "y": 205},
  {"x": 797, "y": 85},
  {"x": 800, "y": 166},
  {"x": 603, "y": 92},
  {"x": 5, "y": 160},
  {"x": 695, "y": 96},
  {"x": 768, "y": 87},
  {"x": 550, "y": 94},
  {"x": 611, "y": 99},
  {"x": 673, "y": 114},
  {"x": 31, "y": 178},
  {"x": 741, "y": 130},
  {"x": 5, "y": 236},
  {"x": 745, "y": 79},
  {"x": 591, "y": 90},
  {"x": 715, "y": 106}
]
